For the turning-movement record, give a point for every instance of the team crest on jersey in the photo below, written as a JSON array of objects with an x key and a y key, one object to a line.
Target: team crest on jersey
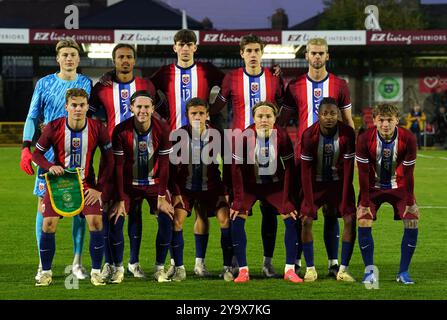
[
  {"x": 386, "y": 153},
  {"x": 264, "y": 151},
  {"x": 125, "y": 94},
  {"x": 328, "y": 148},
  {"x": 41, "y": 186},
  {"x": 76, "y": 142},
  {"x": 254, "y": 86},
  {"x": 318, "y": 93},
  {"x": 186, "y": 78},
  {"x": 142, "y": 146}
]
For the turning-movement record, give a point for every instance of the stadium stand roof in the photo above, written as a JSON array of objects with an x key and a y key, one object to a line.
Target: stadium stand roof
[
  {"x": 139, "y": 14},
  {"x": 94, "y": 14},
  {"x": 43, "y": 13},
  {"x": 308, "y": 24}
]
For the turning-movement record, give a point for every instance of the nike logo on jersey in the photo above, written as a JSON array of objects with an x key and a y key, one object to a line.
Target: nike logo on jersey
[{"x": 363, "y": 248}]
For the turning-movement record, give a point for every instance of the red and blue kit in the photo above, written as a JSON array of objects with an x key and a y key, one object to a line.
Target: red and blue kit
[
  {"x": 114, "y": 100},
  {"x": 304, "y": 95},
  {"x": 386, "y": 170},
  {"x": 327, "y": 166},
  {"x": 181, "y": 84},
  {"x": 75, "y": 149},
  {"x": 141, "y": 160},
  {"x": 245, "y": 91},
  {"x": 262, "y": 171},
  {"x": 195, "y": 180}
]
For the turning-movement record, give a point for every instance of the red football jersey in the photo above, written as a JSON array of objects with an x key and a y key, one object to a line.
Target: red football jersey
[
  {"x": 181, "y": 84},
  {"x": 114, "y": 100},
  {"x": 245, "y": 91},
  {"x": 327, "y": 154},
  {"x": 257, "y": 153},
  {"x": 304, "y": 95},
  {"x": 141, "y": 159},
  {"x": 327, "y": 158},
  {"x": 194, "y": 173},
  {"x": 261, "y": 161},
  {"x": 75, "y": 149},
  {"x": 386, "y": 164}
]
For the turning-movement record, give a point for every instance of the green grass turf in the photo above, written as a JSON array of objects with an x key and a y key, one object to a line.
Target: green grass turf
[{"x": 18, "y": 258}]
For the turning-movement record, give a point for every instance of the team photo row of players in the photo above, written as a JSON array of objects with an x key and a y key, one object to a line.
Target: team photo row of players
[{"x": 136, "y": 151}]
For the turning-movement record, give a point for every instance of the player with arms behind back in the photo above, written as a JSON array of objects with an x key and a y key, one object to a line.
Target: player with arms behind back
[{"x": 181, "y": 81}]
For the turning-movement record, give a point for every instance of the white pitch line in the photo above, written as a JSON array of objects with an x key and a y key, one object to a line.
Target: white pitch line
[
  {"x": 433, "y": 207},
  {"x": 443, "y": 158},
  {"x": 424, "y": 156},
  {"x": 420, "y": 207}
]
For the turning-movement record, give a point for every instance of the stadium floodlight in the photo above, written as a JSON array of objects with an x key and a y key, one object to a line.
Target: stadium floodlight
[
  {"x": 431, "y": 58},
  {"x": 98, "y": 50},
  {"x": 277, "y": 51}
]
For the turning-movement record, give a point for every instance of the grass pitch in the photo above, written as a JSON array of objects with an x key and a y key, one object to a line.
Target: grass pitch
[{"x": 18, "y": 259}]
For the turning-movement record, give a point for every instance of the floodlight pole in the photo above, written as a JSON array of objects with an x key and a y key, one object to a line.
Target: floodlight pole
[{"x": 184, "y": 21}]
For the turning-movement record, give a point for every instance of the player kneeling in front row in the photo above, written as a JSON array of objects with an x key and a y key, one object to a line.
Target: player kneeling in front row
[
  {"x": 261, "y": 171},
  {"x": 74, "y": 139},
  {"x": 196, "y": 179},
  {"x": 327, "y": 166},
  {"x": 141, "y": 147},
  {"x": 386, "y": 155}
]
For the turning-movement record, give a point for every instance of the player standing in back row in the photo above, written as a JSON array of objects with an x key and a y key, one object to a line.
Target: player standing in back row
[
  {"x": 180, "y": 82},
  {"x": 245, "y": 87},
  {"x": 111, "y": 103},
  {"x": 302, "y": 99}
]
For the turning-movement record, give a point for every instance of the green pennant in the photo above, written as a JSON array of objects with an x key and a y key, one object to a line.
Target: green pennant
[{"x": 66, "y": 192}]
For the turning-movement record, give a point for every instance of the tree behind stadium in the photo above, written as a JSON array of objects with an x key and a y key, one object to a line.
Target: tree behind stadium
[{"x": 393, "y": 15}]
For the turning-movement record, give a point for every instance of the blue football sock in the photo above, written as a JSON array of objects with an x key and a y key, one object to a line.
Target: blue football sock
[
  {"x": 269, "y": 225},
  {"x": 366, "y": 244},
  {"x": 226, "y": 245},
  {"x": 39, "y": 222},
  {"x": 177, "y": 247},
  {"x": 308, "y": 250},
  {"x": 331, "y": 236},
  {"x": 105, "y": 228},
  {"x": 134, "y": 229},
  {"x": 164, "y": 238},
  {"x": 96, "y": 248},
  {"x": 116, "y": 240},
  {"x": 78, "y": 232},
  {"x": 290, "y": 240},
  {"x": 408, "y": 246},
  {"x": 47, "y": 249},
  {"x": 201, "y": 244},
  {"x": 346, "y": 252},
  {"x": 299, "y": 247},
  {"x": 239, "y": 241}
]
